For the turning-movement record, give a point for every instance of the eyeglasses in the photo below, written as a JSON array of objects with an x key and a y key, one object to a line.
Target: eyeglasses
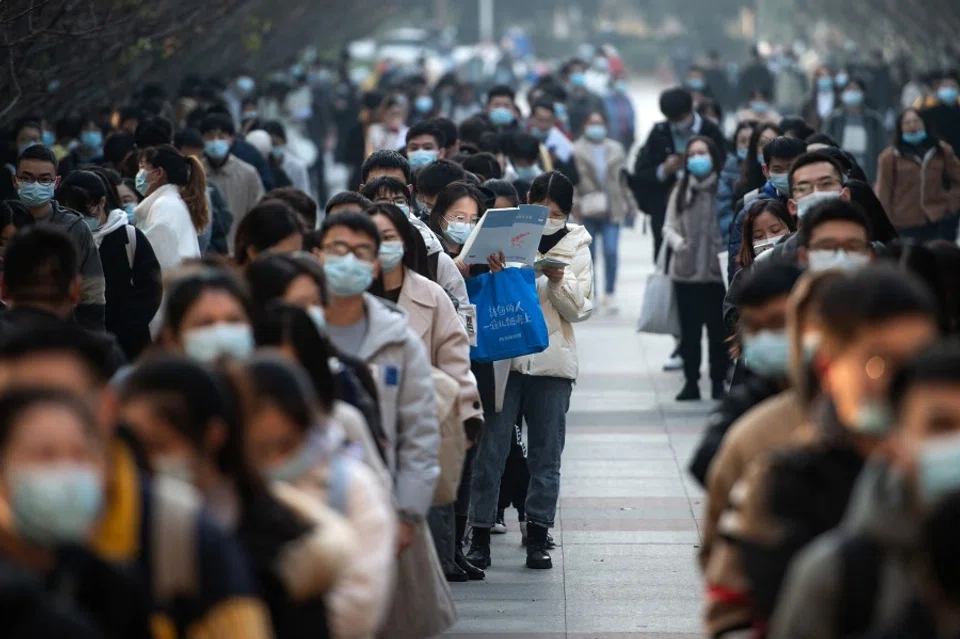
[
  {"x": 459, "y": 217},
  {"x": 830, "y": 244},
  {"x": 364, "y": 252},
  {"x": 44, "y": 180},
  {"x": 800, "y": 189}
]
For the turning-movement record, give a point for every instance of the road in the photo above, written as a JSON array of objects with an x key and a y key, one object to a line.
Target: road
[{"x": 627, "y": 523}]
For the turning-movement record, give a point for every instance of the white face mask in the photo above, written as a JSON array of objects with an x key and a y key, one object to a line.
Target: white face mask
[
  {"x": 553, "y": 226},
  {"x": 767, "y": 243},
  {"x": 807, "y": 202},
  {"x": 840, "y": 259}
]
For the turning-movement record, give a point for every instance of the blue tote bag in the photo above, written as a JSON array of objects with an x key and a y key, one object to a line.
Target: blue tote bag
[{"x": 509, "y": 320}]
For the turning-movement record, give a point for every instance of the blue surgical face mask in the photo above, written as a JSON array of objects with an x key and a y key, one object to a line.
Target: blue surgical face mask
[
  {"x": 842, "y": 79},
  {"x": 129, "y": 208},
  {"x": 537, "y": 133},
  {"x": 92, "y": 222},
  {"x": 423, "y": 103},
  {"x": 914, "y": 137},
  {"x": 825, "y": 83},
  {"x": 140, "y": 182},
  {"x": 421, "y": 158},
  {"x": 277, "y": 152},
  {"x": 759, "y": 106},
  {"x": 874, "y": 418},
  {"x": 217, "y": 150},
  {"x": 808, "y": 202},
  {"x": 781, "y": 182},
  {"x": 458, "y": 232},
  {"x": 91, "y": 139},
  {"x": 246, "y": 85},
  {"x": 948, "y": 94},
  {"x": 743, "y": 153},
  {"x": 301, "y": 462},
  {"x": 595, "y": 132},
  {"x": 391, "y": 254},
  {"x": 49, "y": 139},
  {"x": 35, "y": 195},
  {"x": 699, "y": 165},
  {"x": 561, "y": 110},
  {"x": 767, "y": 353},
  {"x": 852, "y": 97},
  {"x": 620, "y": 86},
  {"x": 347, "y": 275},
  {"x": 527, "y": 173},
  {"x": 696, "y": 84},
  {"x": 578, "y": 79},
  {"x": 938, "y": 467},
  {"x": 502, "y": 116},
  {"x": 55, "y": 505},
  {"x": 210, "y": 343}
]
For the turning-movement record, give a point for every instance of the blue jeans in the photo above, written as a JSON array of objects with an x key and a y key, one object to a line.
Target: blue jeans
[
  {"x": 543, "y": 403},
  {"x": 609, "y": 233}
]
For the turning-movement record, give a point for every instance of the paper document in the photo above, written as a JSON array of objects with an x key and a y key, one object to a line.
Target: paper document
[{"x": 516, "y": 232}]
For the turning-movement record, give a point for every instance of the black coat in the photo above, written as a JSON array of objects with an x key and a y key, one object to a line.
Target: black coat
[
  {"x": 133, "y": 295},
  {"x": 652, "y": 194},
  {"x": 945, "y": 120}
]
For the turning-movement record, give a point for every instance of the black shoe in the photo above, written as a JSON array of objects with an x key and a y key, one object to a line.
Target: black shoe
[
  {"x": 457, "y": 575},
  {"x": 718, "y": 390},
  {"x": 550, "y": 543},
  {"x": 690, "y": 392},
  {"x": 537, "y": 556},
  {"x": 474, "y": 573},
  {"x": 479, "y": 554}
]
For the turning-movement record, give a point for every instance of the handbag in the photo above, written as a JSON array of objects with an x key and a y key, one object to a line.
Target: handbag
[
  {"x": 594, "y": 204},
  {"x": 510, "y": 322},
  {"x": 658, "y": 312}
]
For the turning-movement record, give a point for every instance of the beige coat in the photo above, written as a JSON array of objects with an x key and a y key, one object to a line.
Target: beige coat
[
  {"x": 618, "y": 201},
  {"x": 241, "y": 187},
  {"x": 434, "y": 319}
]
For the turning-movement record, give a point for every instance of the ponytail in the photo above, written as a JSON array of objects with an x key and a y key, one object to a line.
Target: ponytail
[{"x": 194, "y": 194}]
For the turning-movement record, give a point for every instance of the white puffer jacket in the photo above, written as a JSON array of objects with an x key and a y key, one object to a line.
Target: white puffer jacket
[{"x": 563, "y": 303}]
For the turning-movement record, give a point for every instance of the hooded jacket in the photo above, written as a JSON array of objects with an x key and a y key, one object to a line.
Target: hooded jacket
[
  {"x": 402, "y": 373},
  {"x": 812, "y": 597},
  {"x": 563, "y": 303}
]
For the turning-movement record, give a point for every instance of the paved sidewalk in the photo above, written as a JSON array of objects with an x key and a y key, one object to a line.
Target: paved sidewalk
[{"x": 627, "y": 523}]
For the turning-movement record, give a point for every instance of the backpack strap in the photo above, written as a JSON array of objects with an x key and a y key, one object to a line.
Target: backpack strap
[
  {"x": 131, "y": 247},
  {"x": 860, "y": 584},
  {"x": 175, "y": 516},
  {"x": 339, "y": 484}
]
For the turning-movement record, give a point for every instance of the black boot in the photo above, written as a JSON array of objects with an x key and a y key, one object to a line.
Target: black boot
[
  {"x": 457, "y": 574},
  {"x": 537, "y": 556},
  {"x": 473, "y": 573},
  {"x": 479, "y": 554},
  {"x": 690, "y": 392},
  {"x": 718, "y": 390}
]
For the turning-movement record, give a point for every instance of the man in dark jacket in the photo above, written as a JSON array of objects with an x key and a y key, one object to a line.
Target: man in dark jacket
[
  {"x": 756, "y": 76},
  {"x": 763, "y": 346},
  {"x": 660, "y": 161}
]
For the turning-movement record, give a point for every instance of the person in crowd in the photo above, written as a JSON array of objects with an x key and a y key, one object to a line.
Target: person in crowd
[
  {"x": 526, "y": 162},
  {"x": 835, "y": 234},
  {"x": 621, "y": 114},
  {"x": 501, "y": 107},
  {"x": 36, "y": 181},
  {"x": 242, "y": 149},
  {"x": 346, "y": 201},
  {"x": 820, "y": 141},
  {"x": 947, "y": 256},
  {"x": 175, "y": 209},
  {"x": 88, "y": 150},
  {"x": 484, "y": 165},
  {"x": 696, "y": 83},
  {"x": 691, "y": 231},
  {"x": 751, "y": 171},
  {"x": 822, "y": 100},
  {"x": 755, "y": 76},
  {"x": 284, "y": 159},
  {"x": 197, "y": 427},
  {"x": 404, "y": 280},
  {"x": 730, "y": 174},
  {"x": 506, "y": 194},
  {"x": 601, "y": 203},
  {"x": 214, "y": 238},
  {"x": 565, "y": 298},
  {"x": 796, "y": 127},
  {"x": 302, "y": 204},
  {"x": 237, "y": 180},
  {"x": 270, "y": 227},
  {"x": 859, "y": 129},
  {"x": 581, "y": 102},
  {"x": 863, "y": 195},
  {"x": 943, "y": 112},
  {"x": 555, "y": 145},
  {"x": 433, "y": 179},
  {"x": 451, "y": 136},
  {"x": 263, "y": 143},
  {"x": 53, "y": 460},
  {"x": 913, "y": 175},
  {"x": 764, "y": 339},
  {"x": 385, "y": 163},
  {"x": 425, "y": 144},
  {"x": 130, "y": 267},
  {"x": 765, "y": 223},
  {"x": 759, "y": 109},
  {"x": 390, "y": 131},
  {"x": 291, "y": 442},
  {"x": 661, "y": 159},
  {"x": 777, "y": 158},
  {"x": 207, "y": 585},
  {"x": 363, "y": 326},
  {"x": 466, "y": 103}
]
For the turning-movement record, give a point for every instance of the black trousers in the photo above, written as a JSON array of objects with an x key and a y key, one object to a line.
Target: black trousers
[{"x": 699, "y": 304}]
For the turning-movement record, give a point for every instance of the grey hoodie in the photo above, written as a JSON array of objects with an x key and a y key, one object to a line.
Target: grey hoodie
[
  {"x": 401, "y": 369},
  {"x": 811, "y": 599}
]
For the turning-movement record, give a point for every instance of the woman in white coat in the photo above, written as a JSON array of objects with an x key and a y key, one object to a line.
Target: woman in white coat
[
  {"x": 175, "y": 210},
  {"x": 539, "y": 385}
]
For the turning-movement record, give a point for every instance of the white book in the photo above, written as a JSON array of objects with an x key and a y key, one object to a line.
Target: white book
[{"x": 515, "y": 231}]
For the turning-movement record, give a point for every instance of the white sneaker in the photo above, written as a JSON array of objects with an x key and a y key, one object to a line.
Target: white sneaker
[
  {"x": 499, "y": 528},
  {"x": 675, "y": 363}
]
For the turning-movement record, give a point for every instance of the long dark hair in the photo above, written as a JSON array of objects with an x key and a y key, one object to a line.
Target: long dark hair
[
  {"x": 716, "y": 156},
  {"x": 775, "y": 208},
  {"x": 188, "y": 174},
  {"x": 184, "y": 292},
  {"x": 450, "y": 194},
  {"x": 751, "y": 175},
  {"x": 932, "y": 141},
  {"x": 414, "y": 248}
]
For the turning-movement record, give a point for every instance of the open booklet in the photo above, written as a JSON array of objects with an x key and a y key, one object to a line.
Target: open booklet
[{"x": 515, "y": 231}]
